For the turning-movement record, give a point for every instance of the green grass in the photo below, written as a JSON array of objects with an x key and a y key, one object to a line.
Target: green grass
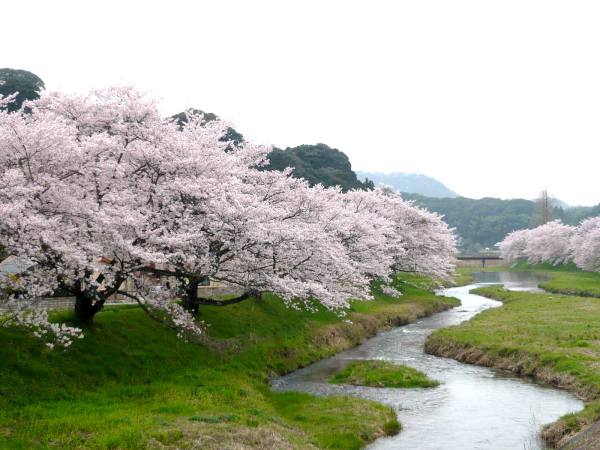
[
  {"x": 553, "y": 337},
  {"x": 569, "y": 280},
  {"x": 420, "y": 281},
  {"x": 130, "y": 383},
  {"x": 382, "y": 374},
  {"x": 464, "y": 276}
]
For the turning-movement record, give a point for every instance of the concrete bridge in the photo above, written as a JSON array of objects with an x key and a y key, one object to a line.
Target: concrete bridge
[{"x": 479, "y": 261}]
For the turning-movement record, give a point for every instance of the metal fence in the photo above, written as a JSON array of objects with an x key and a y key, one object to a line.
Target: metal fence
[
  {"x": 53, "y": 303},
  {"x": 214, "y": 291}
]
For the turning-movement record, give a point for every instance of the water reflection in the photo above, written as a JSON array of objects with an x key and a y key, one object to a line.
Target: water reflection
[
  {"x": 516, "y": 281},
  {"x": 473, "y": 408}
]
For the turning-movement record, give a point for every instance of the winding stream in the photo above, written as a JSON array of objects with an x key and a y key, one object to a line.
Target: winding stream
[{"x": 473, "y": 408}]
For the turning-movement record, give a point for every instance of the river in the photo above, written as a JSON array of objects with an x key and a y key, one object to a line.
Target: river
[{"x": 473, "y": 407}]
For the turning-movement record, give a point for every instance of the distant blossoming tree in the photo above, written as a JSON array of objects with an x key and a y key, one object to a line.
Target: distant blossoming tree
[
  {"x": 97, "y": 189},
  {"x": 512, "y": 248},
  {"x": 550, "y": 243},
  {"x": 556, "y": 243},
  {"x": 585, "y": 245}
]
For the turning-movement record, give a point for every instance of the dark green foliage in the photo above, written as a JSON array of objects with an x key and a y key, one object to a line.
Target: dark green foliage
[
  {"x": 368, "y": 184},
  {"x": 318, "y": 164},
  {"x": 230, "y": 136},
  {"x": 27, "y": 84},
  {"x": 392, "y": 427},
  {"x": 576, "y": 214},
  {"x": 479, "y": 223}
]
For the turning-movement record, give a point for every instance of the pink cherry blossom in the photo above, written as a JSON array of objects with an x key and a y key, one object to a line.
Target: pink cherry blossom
[
  {"x": 97, "y": 189},
  {"x": 585, "y": 245},
  {"x": 556, "y": 243}
]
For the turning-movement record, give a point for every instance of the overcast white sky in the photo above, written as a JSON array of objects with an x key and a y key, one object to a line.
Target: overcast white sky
[{"x": 494, "y": 98}]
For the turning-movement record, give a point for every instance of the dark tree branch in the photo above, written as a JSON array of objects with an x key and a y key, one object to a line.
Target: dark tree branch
[{"x": 231, "y": 301}]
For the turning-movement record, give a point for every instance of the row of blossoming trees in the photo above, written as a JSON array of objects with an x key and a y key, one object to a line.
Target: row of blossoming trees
[
  {"x": 556, "y": 243},
  {"x": 100, "y": 188}
]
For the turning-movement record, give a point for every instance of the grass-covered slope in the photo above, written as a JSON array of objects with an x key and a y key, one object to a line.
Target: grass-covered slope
[
  {"x": 554, "y": 338},
  {"x": 382, "y": 374},
  {"x": 132, "y": 384}
]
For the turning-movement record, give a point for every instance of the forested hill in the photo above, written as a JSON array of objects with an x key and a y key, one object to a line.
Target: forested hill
[
  {"x": 484, "y": 222},
  {"x": 28, "y": 86},
  {"x": 318, "y": 164},
  {"x": 414, "y": 183},
  {"x": 479, "y": 223}
]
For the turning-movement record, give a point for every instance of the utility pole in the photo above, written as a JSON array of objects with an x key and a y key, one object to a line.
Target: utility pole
[{"x": 544, "y": 210}]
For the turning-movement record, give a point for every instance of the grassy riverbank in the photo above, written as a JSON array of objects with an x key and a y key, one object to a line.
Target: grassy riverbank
[
  {"x": 132, "y": 384},
  {"x": 570, "y": 280},
  {"x": 464, "y": 276},
  {"x": 562, "y": 279},
  {"x": 552, "y": 337},
  {"x": 382, "y": 374}
]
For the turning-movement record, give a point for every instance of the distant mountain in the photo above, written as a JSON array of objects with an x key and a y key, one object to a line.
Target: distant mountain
[{"x": 412, "y": 183}]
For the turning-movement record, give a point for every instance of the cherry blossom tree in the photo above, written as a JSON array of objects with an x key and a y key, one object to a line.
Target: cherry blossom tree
[
  {"x": 550, "y": 243},
  {"x": 585, "y": 245},
  {"x": 270, "y": 232},
  {"x": 76, "y": 176},
  {"x": 512, "y": 248},
  {"x": 417, "y": 240},
  {"x": 556, "y": 243},
  {"x": 97, "y": 189}
]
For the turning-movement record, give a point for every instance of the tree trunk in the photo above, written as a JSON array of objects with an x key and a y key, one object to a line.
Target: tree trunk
[
  {"x": 86, "y": 309},
  {"x": 190, "y": 298}
]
